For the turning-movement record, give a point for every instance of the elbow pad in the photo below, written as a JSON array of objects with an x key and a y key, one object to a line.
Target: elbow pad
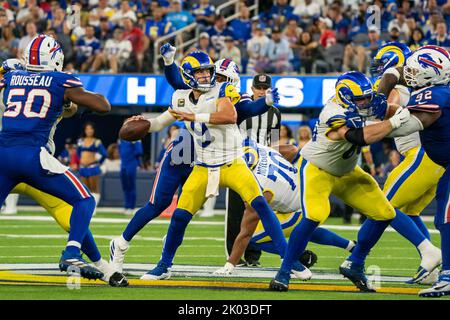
[{"x": 356, "y": 136}]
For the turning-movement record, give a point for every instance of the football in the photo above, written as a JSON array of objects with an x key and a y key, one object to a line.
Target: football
[{"x": 134, "y": 130}]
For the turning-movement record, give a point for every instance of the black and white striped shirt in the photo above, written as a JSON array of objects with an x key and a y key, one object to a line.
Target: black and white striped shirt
[{"x": 264, "y": 128}]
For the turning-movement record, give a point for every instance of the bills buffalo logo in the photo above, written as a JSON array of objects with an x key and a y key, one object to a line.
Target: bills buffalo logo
[{"x": 426, "y": 61}]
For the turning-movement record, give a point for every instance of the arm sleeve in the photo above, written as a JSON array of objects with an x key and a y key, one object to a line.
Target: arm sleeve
[
  {"x": 247, "y": 108},
  {"x": 161, "y": 121},
  {"x": 173, "y": 76},
  {"x": 411, "y": 126}
]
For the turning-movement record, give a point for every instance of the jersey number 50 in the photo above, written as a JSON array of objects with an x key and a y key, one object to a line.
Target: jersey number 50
[{"x": 15, "y": 108}]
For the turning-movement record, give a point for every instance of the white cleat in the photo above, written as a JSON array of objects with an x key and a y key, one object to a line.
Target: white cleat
[
  {"x": 117, "y": 250},
  {"x": 431, "y": 259},
  {"x": 226, "y": 270},
  {"x": 160, "y": 272},
  {"x": 431, "y": 278},
  {"x": 301, "y": 272},
  {"x": 440, "y": 288}
]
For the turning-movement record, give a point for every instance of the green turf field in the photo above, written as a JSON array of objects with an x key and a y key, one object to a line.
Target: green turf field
[{"x": 31, "y": 241}]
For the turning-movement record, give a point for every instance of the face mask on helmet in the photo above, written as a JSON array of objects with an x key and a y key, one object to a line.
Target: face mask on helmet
[
  {"x": 196, "y": 77},
  {"x": 227, "y": 71}
]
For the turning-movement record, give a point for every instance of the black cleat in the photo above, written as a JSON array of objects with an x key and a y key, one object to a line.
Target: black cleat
[
  {"x": 280, "y": 283},
  {"x": 308, "y": 258},
  {"x": 356, "y": 275},
  {"x": 118, "y": 280}
]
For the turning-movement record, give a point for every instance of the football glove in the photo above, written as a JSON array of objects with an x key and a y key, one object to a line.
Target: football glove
[
  {"x": 353, "y": 120},
  {"x": 401, "y": 116},
  {"x": 168, "y": 53},
  {"x": 379, "y": 106},
  {"x": 11, "y": 64},
  {"x": 272, "y": 96}
]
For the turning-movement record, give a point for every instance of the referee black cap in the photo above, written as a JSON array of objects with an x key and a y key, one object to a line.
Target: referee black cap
[{"x": 262, "y": 81}]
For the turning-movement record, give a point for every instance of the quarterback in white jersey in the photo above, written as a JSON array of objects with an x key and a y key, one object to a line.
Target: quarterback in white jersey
[{"x": 209, "y": 114}]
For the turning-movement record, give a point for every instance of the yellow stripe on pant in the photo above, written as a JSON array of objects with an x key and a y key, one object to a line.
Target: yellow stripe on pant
[
  {"x": 411, "y": 186},
  {"x": 58, "y": 209},
  {"x": 234, "y": 175},
  {"x": 357, "y": 188}
]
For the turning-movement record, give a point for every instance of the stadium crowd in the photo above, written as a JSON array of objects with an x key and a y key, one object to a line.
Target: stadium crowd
[{"x": 300, "y": 36}]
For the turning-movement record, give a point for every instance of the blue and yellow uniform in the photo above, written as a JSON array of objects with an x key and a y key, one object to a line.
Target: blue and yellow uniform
[{"x": 94, "y": 168}]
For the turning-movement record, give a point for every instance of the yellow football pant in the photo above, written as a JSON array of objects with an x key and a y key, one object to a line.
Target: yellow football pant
[
  {"x": 411, "y": 186},
  {"x": 234, "y": 175},
  {"x": 288, "y": 221},
  {"x": 358, "y": 189},
  {"x": 58, "y": 209}
]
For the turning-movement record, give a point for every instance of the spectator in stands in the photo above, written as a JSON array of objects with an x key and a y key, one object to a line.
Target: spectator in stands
[
  {"x": 358, "y": 23},
  {"x": 87, "y": 47},
  {"x": 242, "y": 26},
  {"x": 410, "y": 12},
  {"x": 138, "y": 40},
  {"x": 279, "y": 53},
  {"x": 394, "y": 33},
  {"x": 310, "y": 52},
  {"x": 9, "y": 44},
  {"x": 104, "y": 31},
  {"x": 101, "y": 10},
  {"x": 115, "y": 53},
  {"x": 28, "y": 12},
  {"x": 441, "y": 38},
  {"x": 280, "y": 13},
  {"x": 372, "y": 45},
  {"x": 307, "y": 10},
  {"x": 178, "y": 17},
  {"x": 417, "y": 39},
  {"x": 304, "y": 136},
  {"x": 112, "y": 161},
  {"x": 292, "y": 34},
  {"x": 9, "y": 13},
  {"x": 341, "y": 24},
  {"x": 286, "y": 136},
  {"x": 58, "y": 22},
  {"x": 231, "y": 52},
  {"x": 156, "y": 27},
  {"x": 124, "y": 12},
  {"x": 355, "y": 56},
  {"x": 204, "y": 13},
  {"x": 430, "y": 25},
  {"x": 31, "y": 32},
  {"x": 400, "y": 23},
  {"x": 204, "y": 45},
  {"x": 327, "y": 36},
  {"x": 69, "y": 156},
  {"x": 218, "y": 32},
  {"x": 257, "y": 51}
]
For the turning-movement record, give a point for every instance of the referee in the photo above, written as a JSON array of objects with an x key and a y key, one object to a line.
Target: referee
[{"x": 262, "y": 129}]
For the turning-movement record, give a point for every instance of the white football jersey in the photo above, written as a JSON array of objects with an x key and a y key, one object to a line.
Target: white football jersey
[
  {"x": 214, "y": 144},
  {"x": 412, "y": 140},
  {"x": 278, "y": 176},
  {"x": 335, "y": 157}
]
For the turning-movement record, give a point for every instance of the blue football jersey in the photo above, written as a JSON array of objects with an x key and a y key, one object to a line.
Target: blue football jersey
[
  {"x": 436, "y": 138},
  {"x": 34, "y": 102}
]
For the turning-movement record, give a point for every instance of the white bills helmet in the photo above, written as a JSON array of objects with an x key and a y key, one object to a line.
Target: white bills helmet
[{"x": 44, "y": 53}]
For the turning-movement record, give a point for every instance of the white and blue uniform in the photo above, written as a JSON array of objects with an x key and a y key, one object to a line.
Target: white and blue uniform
[{"x": 34, "y": 102}]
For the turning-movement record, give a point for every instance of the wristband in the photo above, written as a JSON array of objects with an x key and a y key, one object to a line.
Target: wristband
[{"x": 202, "y": 117}]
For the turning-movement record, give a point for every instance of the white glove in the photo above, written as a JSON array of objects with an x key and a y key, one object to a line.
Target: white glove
[
  {"x": 400, "y": 117},
  {"x": 227, "y": 269},
  {"x": 168, "y": 53},
  {"x": 272, "y": 96}
]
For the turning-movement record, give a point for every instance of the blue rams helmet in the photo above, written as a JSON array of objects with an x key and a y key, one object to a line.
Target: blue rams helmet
[
  {"x": 392, "y": 54},
  {"x": 194, "y": 62},
  {"x": 352, "y": 88}
]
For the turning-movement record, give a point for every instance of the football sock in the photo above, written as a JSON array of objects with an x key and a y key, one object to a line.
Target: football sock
[
  {"x": 79, "y": 223},
  {"x": 89, "y": 247},
  {"x": 421, "y": 225},
  {"x": 97, "y": 201},
  {"x": 175, "y": 234},
  {"x": 445, "y": 245},
  {"x": 143, "y": 216},
  {"x": 329, "y": 238},
  {"x": 266, "y": 247},
  {"x": 271, "y": 223},
  {"x": 368, "y": 235},
  {"x": 297, "y": 243},
  {"x": 407, "y": 228}
]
